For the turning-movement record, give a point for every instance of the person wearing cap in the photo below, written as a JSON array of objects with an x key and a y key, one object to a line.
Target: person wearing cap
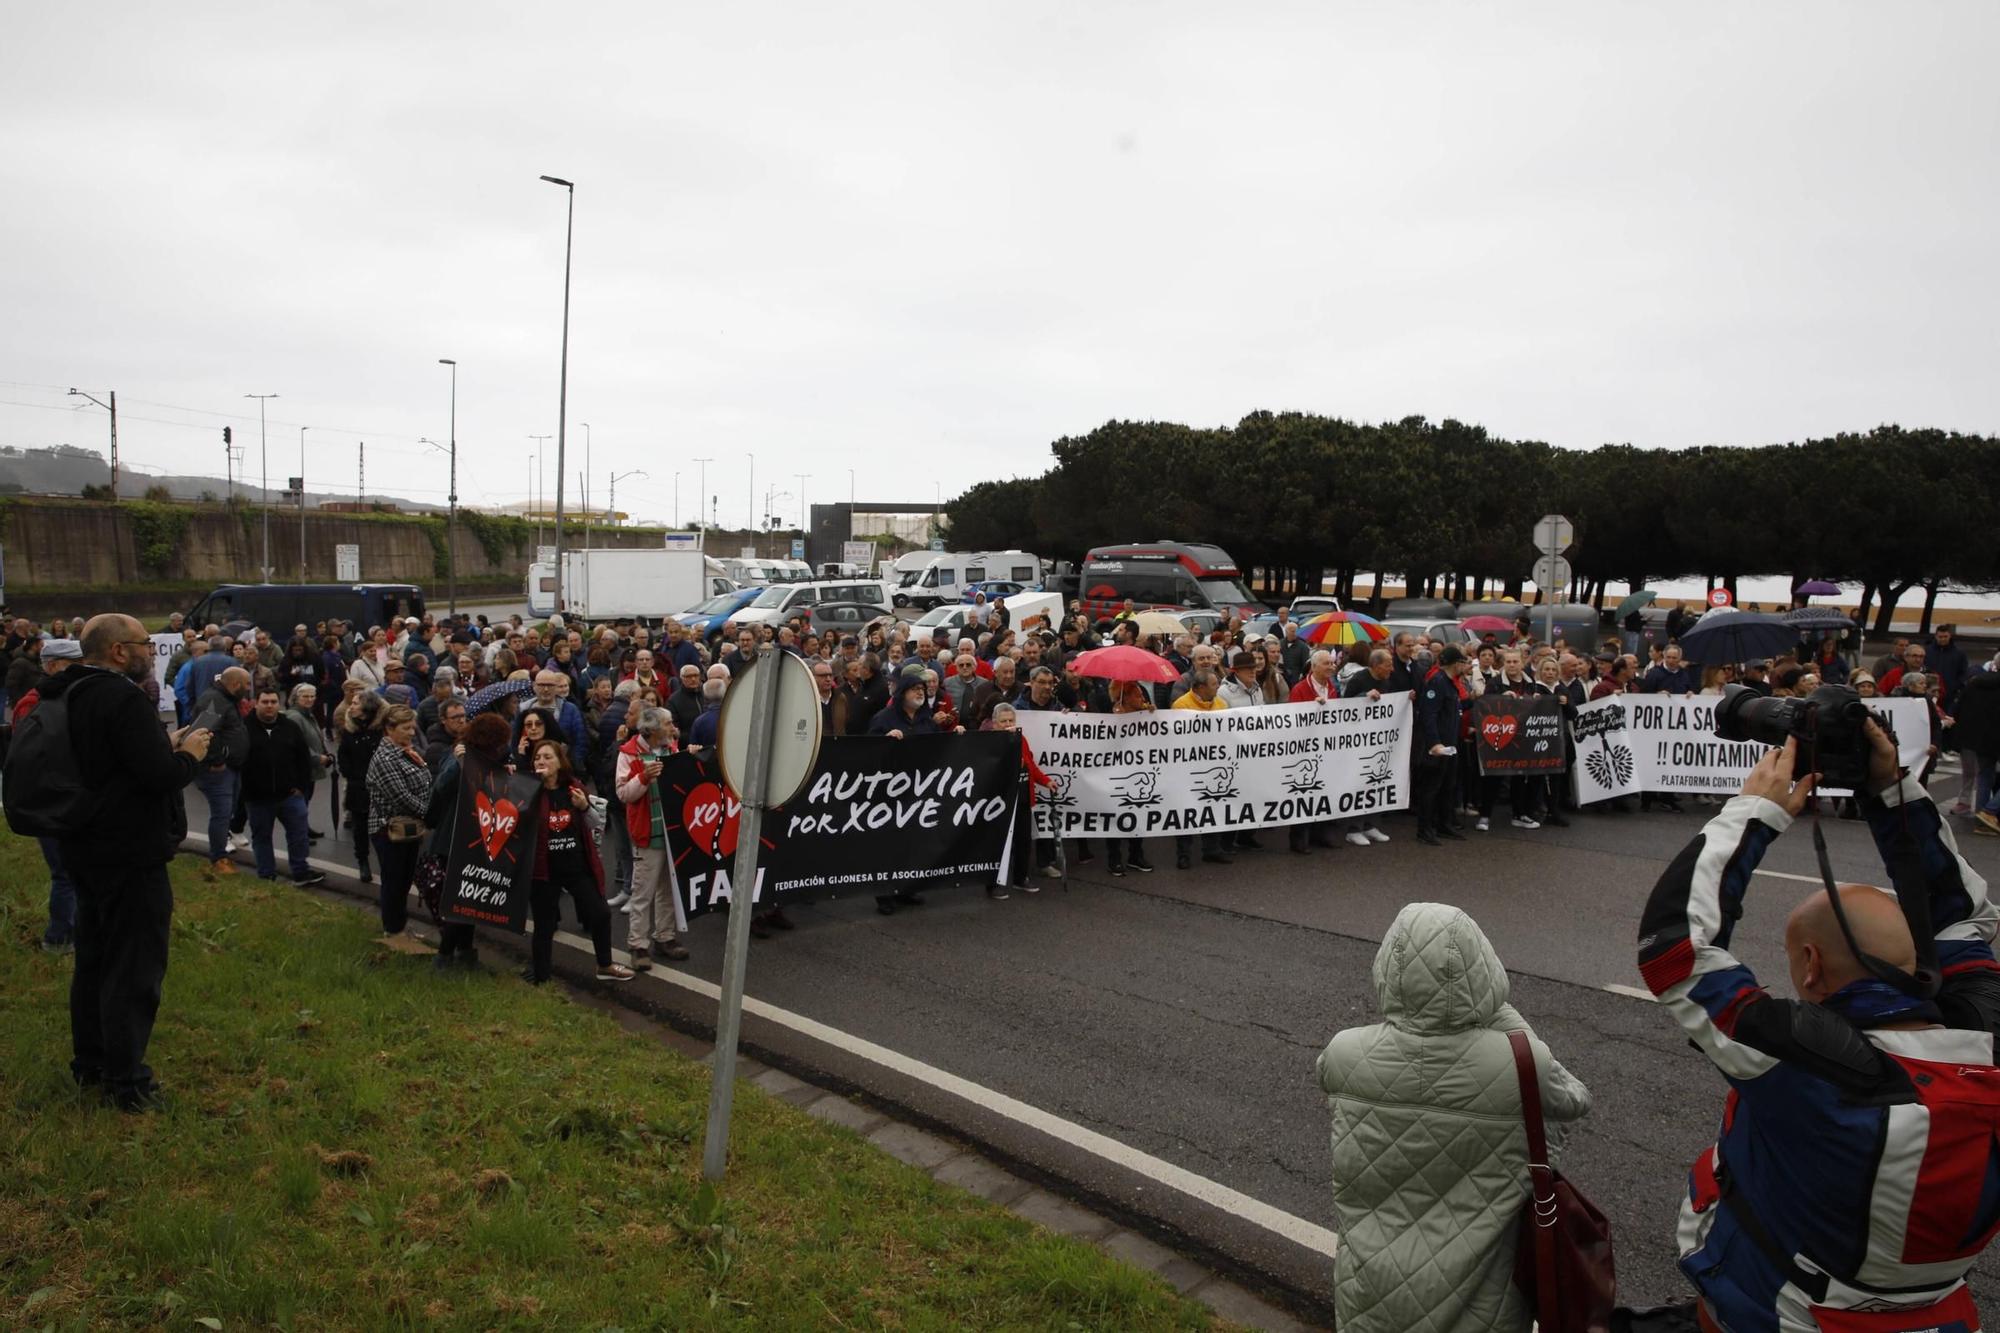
[{"x": 1437, "y": 721}]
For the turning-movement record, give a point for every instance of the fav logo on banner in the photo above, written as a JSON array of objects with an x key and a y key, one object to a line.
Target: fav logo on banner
[
  {"x": 491, "y": 862},
  {"x": 1662, "y": 743},
  {"x": 1519, "y": 734},
  {"x": 1176, "y": 771},
  {"x": 877, "y": 815}
]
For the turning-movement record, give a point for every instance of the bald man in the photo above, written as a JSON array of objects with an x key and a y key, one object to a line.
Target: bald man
[
  {"x": 1858, "y": 1167},
  {"x": 220, "y": 780},
  {"x": 118, "y": 862}
]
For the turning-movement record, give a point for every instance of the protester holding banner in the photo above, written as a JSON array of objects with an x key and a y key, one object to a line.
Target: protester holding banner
[
  {"x": 399, "y": 792},
  {"x": 566, "y": 860},
  {"x": 1510, "y": 683},
  {"x": 650, "y": 921},
  {"x": 1130, "y": 697},
  {"x": 1438, "y": 710},
  {"x": 486, "y": 738}
]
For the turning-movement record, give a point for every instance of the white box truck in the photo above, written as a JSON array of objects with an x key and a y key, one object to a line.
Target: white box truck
[{"x": 607, "y": 583}]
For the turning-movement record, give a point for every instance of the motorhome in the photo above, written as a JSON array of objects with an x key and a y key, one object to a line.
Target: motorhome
[{"x": 943, "y": 578}]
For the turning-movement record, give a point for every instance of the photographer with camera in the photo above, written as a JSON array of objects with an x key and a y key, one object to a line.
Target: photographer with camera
[{"x": 1857, "y": 1164}]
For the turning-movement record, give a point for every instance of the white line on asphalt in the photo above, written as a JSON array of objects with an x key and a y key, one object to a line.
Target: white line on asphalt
[
  {"x": 1298, "y": 1230},
  {"x": 1295, "y": 1229},
  {"x": 1781, "y": 874},
  {"x": 1634, "y": 992}
]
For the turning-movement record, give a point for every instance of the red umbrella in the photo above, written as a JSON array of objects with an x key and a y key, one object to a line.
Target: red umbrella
[
  {"x": 1487, "y": 624},
  {"x": 1124, "y": 662}
]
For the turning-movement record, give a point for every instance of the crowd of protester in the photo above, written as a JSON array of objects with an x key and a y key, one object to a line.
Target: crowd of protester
[
  {"x": 592, "y": 711},
  {"x": 378, "y": 713}
]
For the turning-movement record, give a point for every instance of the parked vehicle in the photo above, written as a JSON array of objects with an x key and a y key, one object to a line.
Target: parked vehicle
[
  {"x": 1446, "y": 630},
  {"x": 277, "y": 607},
  {"x": 707, "y": 619},
  {"x": 845, "y": 617},
  {"x": 1173, "y": 576},
  {"x": 992, "y": 588},
  {"x": 944, "y": 578},
  {"x": 619, "y": 583},
  {"x": 949, "y": 617},
  {"x": 781, "y": 601}
]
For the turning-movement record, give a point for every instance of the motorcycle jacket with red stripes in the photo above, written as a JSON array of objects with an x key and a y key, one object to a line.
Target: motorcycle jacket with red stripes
[{"x": 1857, "y": 1173}]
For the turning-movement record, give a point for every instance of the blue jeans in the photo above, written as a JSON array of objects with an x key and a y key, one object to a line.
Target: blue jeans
[
  {"x": 1989, "y": 788},
  {"x": 62, "y": 896},
  {"x": 291, "y": 812},
  {"x": 218, "y": 787}
]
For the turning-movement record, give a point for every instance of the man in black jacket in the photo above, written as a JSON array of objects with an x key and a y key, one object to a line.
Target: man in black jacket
[
  {"x": 277, "y": 774},
  {"x": 221, "y": 778},
  {"x": 125, "y": 904}
]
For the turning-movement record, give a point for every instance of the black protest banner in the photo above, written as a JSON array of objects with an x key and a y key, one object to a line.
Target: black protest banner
[
  {"x": 878, "y": 816},
  {"x": 1519, "y": 733},
  {"x": 492, "y": 858}
]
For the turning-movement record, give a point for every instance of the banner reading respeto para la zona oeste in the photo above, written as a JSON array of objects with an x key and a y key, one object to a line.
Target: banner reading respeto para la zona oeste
[
  {"x": 1141, "y": 775},
  {"x": 878, "y": 816},
  {"x": 1666, "y": 743}
]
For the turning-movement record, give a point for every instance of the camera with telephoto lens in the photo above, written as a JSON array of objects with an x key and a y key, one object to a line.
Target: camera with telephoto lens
[{"x": 1829, "y": 725}]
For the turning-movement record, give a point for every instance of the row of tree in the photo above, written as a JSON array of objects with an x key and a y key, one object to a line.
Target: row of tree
[{"x": 1452, "y": 508}]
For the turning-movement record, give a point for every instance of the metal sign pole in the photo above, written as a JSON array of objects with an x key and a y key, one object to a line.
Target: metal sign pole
[{"x": 742, "y": 902}]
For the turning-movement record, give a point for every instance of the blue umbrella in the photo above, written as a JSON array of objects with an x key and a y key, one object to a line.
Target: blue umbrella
[
  {"x": 499, "y": 689},
  {"x": 1744, "y": 637}
]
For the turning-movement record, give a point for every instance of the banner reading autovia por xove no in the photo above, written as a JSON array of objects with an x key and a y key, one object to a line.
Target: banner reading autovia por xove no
[
  {"x": 1142, "y": 775},
  {"x": 878, "y": 815}
]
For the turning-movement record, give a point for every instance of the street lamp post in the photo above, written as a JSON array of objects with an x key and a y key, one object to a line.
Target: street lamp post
[
  {"x": 586, "y": 484},
  {"x": 264, "y": 467},
  {"x": 617, "y": 477},
  {"x": 562, "y": 402},
  {"x": 302, "y": 502},
  {"x": 112, "y": 408},
  {"x": 451, "y": 498},
  {"x": 701, "y": 498},
  {"x": 535, "y": 488}
]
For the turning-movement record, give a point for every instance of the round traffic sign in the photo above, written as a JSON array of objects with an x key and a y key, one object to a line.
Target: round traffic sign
[
  {"x": 1719, "y": 597},
  {"x": 794, "y": 739}
]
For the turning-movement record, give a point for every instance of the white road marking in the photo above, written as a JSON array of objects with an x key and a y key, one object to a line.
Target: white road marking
[
  {"x": 1634, "y": 992},
  {"x": 1297, "y": 1230}
]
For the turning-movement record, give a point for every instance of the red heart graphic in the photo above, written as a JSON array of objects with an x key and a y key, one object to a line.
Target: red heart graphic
[
  {"x": 496, "y": 822},
  {"x": 709, "y": 815},
  {"x": 1499, "y": 730}
]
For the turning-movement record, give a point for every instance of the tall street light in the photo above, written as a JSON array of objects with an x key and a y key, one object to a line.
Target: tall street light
[
  {"x": 264, "y": 465},
  {"x": 585, "y": 497},
  {"x": 112, "y": 408},
  {"x": 302, "y": 502},
  {"x": 616, "y": 477},
  {"x": 562, "y": 402},
  {"x": 451, "y": 514},
  {"x": 535, "y": 488}
]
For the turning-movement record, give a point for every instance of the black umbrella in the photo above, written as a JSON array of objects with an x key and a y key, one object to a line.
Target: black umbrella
[
  {"x": 1816, "y": 617},
  {"x": 1744, "y": 637}
]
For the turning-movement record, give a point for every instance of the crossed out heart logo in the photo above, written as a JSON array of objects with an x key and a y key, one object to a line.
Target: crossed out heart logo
[
  {"x": 710, "y": 815},
  {"x": 1498, "y": 730},
  {"x": 496, "y": 822}
]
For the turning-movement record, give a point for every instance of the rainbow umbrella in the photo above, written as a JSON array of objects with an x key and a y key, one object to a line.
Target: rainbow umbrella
[{"x": 1341, "y": 628}]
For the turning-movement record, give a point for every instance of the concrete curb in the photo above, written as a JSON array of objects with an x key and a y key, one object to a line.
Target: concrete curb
[{"x": 642, "y": 1006}]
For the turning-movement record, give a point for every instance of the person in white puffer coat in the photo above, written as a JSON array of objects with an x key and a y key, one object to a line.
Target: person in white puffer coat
[{"x": 1430, "y": 1155}]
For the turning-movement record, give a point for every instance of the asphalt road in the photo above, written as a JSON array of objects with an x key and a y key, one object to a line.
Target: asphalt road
[{"x": 1180, "y": 1012}]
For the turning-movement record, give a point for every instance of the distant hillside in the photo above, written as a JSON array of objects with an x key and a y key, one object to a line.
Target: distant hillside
[{"x": 64, "y": 469}]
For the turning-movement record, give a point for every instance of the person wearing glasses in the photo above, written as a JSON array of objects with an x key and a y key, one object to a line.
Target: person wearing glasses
[{"x": 118, "y": 864}]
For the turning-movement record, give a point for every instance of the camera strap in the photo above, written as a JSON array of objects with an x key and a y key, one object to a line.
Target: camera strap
[{"x": 1923, "y": 983}]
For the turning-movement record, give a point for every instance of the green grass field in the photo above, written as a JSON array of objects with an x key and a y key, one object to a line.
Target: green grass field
[{"x": 355, "y": 1142}]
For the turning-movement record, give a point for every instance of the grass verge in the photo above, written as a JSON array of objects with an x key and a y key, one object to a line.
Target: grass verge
[{"x": 355, "y": 1142}]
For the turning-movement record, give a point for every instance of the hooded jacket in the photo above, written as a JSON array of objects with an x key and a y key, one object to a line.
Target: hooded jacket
[{"x": 1430, "y": 1154}]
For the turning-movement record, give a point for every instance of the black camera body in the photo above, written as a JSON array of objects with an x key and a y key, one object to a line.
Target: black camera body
[{"x": 1829, "y": 724}]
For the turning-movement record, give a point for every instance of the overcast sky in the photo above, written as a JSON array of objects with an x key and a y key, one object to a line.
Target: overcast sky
[{"x": 922, "y": 242}]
